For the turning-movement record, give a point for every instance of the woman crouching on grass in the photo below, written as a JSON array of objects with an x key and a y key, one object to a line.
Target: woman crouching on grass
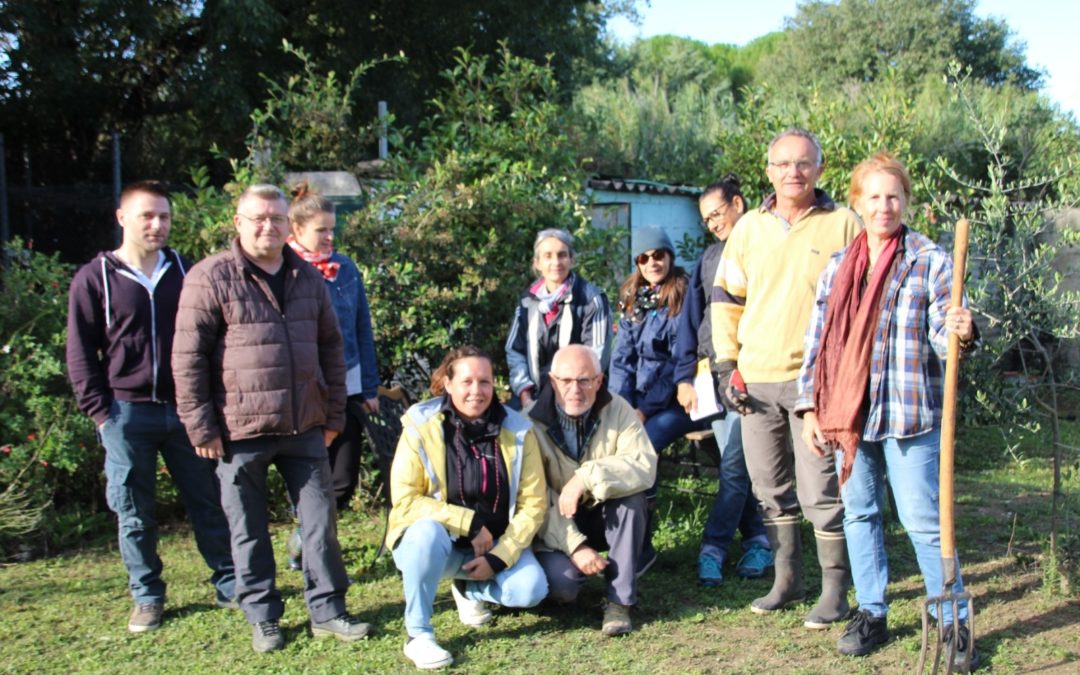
[
  {"x": 870, "y": 390},
  {"x": 468, "y": 493}
]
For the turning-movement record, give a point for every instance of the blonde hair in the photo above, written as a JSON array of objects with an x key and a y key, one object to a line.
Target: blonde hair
[{"x": 883, "y": 162}]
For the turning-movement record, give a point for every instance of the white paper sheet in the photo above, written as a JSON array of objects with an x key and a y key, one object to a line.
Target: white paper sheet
[{"x": 707, "y": 405}]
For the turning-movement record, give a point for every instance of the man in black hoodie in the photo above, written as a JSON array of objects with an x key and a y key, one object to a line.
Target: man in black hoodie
[{"x": 122, "y": 312}]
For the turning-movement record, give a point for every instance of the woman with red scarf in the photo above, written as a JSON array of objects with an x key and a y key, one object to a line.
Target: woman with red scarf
[
  {"x": 560, "y": 308},
  {"x": 312, "y": 220},
  {"x": 871, "y": 389}
]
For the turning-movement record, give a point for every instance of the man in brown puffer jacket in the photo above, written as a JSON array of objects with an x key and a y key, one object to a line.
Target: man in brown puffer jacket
[{"x": 260, "y": 379}]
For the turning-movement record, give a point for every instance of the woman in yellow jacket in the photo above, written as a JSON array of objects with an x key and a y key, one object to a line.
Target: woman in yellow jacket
[{"x": 468, "y": 493}]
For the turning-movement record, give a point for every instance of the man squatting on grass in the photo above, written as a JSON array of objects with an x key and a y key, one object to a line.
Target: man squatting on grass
[
  {"x": 260, "y": 379},
  {"x": 121, "y": 313},
  {"x": 598, "y": 462}
]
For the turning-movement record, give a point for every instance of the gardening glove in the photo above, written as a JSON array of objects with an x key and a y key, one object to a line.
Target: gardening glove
[{"x": 732, "y": 388}]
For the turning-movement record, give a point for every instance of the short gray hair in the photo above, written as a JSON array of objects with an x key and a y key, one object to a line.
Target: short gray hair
[
  {"x": 593, "y": 358},
  {"x": 553, "y": 233},
  {"x": 263, "y": 191},
  {"x": 798, "y": 132}
]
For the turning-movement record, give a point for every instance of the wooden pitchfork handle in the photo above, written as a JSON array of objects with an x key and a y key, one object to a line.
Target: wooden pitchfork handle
[{"x": 948, "y": 417}]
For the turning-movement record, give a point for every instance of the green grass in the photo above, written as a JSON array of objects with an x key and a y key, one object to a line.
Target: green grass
[{"x": 69, "y": 613}]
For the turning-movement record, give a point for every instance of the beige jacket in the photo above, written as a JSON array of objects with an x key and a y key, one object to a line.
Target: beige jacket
[{"x": 618, "y": 461}]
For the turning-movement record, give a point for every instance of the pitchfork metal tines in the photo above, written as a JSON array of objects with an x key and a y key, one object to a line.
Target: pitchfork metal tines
[
  {"x": 946, "y": 608},
  {"x": 947, "y": 648}
]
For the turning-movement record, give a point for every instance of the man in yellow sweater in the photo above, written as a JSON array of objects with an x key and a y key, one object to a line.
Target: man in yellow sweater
[{"x": 761, "y": 303}]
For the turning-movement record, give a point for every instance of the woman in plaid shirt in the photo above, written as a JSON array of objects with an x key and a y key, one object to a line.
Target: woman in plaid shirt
[{"x": 870, "y": 388}]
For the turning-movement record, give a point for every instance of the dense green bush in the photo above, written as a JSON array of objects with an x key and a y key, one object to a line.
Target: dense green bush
[
  {"x": 447, "y": 242},
  {"x": 641, "y": 129},
  {"x": 45, "y": 442}
]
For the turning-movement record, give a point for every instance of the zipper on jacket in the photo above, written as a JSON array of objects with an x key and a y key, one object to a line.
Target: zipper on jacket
[
  {"x": 153, "y": 347},
  {"x": 292, "y": 375},
  {"x": 292, "y": 359},
  {"x": 265, "y": 288}
]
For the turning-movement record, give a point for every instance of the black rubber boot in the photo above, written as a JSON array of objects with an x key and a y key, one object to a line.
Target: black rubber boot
[
  {"x": 833, "y": 605},
  {"x": 788, "y": 585}
]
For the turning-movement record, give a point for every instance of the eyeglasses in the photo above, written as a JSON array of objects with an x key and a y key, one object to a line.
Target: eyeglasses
[
  {"x": 585, "y": 383},
  {"x": 717, "y": 213},
  {"x": 658, "y": 256},
  {"x": 276, "y": 221},
  {"x": 802, "y": 166}
]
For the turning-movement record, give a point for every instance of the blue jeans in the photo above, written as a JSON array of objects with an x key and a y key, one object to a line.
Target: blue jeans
[
  {"x": 426, "y": 554},
  {"x": 132, "y": 436},
  {"x": 911, "y": 465},
  {"x": 663, "y": 429},
  {"x": 735, "y": 504}
]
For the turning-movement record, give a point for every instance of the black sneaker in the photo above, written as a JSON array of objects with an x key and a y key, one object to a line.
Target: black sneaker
[
  {"x": 961, "y": 647},
  {"x": 267, "y": 637},
  {"x": 863, "y": 634}
]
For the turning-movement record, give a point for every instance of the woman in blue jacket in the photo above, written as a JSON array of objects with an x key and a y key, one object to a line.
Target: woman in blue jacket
[
  {"x": 312, "y": 221},
  {"x": 643, "y": 362}
]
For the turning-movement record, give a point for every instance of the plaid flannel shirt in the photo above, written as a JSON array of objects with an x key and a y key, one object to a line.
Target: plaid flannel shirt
[{"x": 907, "y": 366}]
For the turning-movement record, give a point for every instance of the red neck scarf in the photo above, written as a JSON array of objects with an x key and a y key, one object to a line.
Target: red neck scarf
[
  {"x": 321, "y": 261},
  {"x": 842, "y": 370}
]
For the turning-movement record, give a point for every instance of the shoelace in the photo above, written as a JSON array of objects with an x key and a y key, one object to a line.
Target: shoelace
[
  {"x": 147, "y": 608},
  {"x": 859, "y": 625},
  {"x": 269, "y": 628},
  {"x": 961, "y": 646},
  {"x": 347, "y": 619}
]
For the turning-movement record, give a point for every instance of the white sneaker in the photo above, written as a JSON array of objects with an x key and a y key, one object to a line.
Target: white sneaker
[
  {"x": 426, "y": 654},
  {"x": 471, "y": 612}
]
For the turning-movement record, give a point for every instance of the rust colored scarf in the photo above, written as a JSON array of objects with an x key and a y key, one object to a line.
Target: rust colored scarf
[{"x": 842, "y": 370}]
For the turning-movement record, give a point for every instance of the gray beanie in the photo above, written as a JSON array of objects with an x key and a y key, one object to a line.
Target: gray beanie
[{"x": 649, "y": 239}]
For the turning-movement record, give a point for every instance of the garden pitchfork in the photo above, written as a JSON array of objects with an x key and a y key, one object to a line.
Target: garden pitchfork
[{"x": 949, "y": 563}]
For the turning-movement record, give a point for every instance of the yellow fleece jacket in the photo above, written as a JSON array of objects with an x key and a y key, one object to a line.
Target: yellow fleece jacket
[
  {"x": 765, "y": 284},
  {"x": 418, "y": 480}
]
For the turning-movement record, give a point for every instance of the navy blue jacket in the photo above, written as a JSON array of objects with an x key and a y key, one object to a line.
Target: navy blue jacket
[
  {"x": 694, "y": 341},
  {"x": 643, "y": 363}
]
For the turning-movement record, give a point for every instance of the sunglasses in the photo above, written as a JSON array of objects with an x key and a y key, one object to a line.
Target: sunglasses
[{"x": 658, "y": 256}]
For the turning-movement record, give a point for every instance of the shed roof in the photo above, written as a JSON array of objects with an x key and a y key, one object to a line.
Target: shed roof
[{"x": 613, "y": 184}]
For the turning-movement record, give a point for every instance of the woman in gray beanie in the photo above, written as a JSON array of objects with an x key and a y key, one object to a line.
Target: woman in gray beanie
[{"x": 643, "y": 362}]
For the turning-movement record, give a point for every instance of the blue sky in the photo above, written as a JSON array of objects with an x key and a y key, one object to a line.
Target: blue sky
[{"x": 1048, "y": 27}]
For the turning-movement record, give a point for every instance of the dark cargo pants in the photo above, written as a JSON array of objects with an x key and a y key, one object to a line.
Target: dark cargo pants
[{"x": 302, "y": 462}]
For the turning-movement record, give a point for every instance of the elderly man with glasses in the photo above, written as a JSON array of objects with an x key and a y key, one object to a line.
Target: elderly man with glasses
[
  {"x": 260, "y": 379},
  {"x": 598, "y": 462}
]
